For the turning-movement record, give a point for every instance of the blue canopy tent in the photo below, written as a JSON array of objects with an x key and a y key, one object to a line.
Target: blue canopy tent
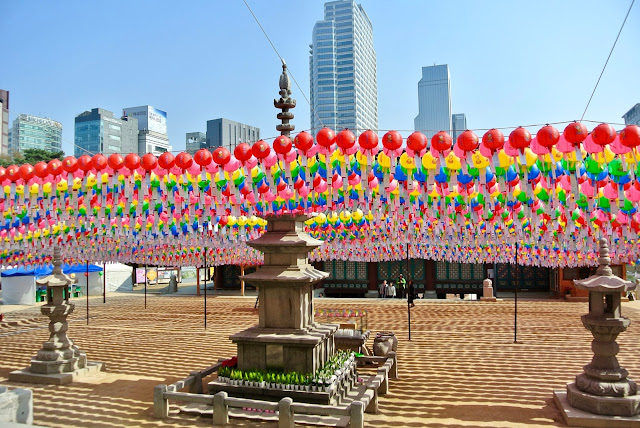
[
  {"x": 46, "y": 270},
  {"x": 19, "y": 287}
]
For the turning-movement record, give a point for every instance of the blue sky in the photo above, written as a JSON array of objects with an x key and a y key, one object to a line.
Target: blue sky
[{"x": 511, "y": 62}]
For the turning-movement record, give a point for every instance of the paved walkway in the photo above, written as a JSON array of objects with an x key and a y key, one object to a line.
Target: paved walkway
[{"x": 461, "y": 368}]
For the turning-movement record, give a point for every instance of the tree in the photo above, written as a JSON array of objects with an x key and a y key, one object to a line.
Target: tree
[
  {"x": 31, "y": 156},
  {"x": 34, "y": 156}
]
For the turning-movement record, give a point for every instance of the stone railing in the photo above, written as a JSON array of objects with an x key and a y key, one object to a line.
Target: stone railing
[{"x": 224, "y": 406}]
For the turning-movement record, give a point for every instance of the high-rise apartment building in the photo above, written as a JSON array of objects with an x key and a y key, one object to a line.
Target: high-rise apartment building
[
  {"x": 342, "y": 68},
  {"x": 434, "y": 101},
  {"x": 4, "y": 122},
  {"x": 152, "y": 129},
  {"x": 227, "y": 133},
  {"x": 33, "y": 132},
  {"x": 195, "y": 141},
  {"x": 632, "y": 117},
  {"x": 99, "y": 131},
  {"x": 459, "y": 124}
]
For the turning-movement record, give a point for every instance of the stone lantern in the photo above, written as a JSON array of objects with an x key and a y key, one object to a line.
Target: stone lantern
[
  {"x": 603, "y": 388},
  {"x": 59, "y": 361}
]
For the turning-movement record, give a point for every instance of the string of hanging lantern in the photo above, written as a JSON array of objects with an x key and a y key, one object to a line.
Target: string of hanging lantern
[{"x": 466, "y": 200}]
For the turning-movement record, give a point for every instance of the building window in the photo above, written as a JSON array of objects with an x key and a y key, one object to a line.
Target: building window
[
  {"x": 114, "y": 127},
  {"x": 339, "y": 269},
  {"x": 114, "y": 137},
  {"x": 459, "y": 271},
  {"x": 114, "y": 148}
]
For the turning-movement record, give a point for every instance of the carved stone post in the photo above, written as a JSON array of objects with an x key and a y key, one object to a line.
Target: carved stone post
[{"x": 487, "y": 291}]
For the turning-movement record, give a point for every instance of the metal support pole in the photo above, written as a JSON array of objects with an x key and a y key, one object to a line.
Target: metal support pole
[
  {"x": 407, "y": 292},
  {"x": 145, "y": 286},
  {"x": 104, "y": 282},
  {"x": 205, "y": 287},
  {"x": 87, "y": 292},
  {"x": 515, "y": 312}
]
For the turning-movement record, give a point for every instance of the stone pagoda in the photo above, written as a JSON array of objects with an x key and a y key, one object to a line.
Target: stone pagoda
[
  {"x": 286, "y": 337},
  {"x": 603, "y": 389},
  {"x": 59, "y": 361}
]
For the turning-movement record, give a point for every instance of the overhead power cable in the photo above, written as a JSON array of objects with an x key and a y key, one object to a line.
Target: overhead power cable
[
  {"x": 281, "y": 59},
  {"x": 607, "y": 62}
]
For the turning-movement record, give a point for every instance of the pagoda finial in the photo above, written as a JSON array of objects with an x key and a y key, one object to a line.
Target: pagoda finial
[
  {"x": 604, "y": 269},
  {"x": 285, "y": 103}
]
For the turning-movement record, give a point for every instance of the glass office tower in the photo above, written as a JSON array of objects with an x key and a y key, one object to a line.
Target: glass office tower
[{"x": 342, "y": 67}]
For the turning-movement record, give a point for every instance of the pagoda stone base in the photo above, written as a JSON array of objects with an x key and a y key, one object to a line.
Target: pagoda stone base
[
  {"x": 57, "y": 372},
  {"x": 289, "y": 350},
  {"x": 576, "y": 417}
]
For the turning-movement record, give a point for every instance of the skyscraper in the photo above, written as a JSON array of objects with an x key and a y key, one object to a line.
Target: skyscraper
[
  {"x": 227, "y": 133},
  {"x": 33, "y": 132},
  {"x": 459, "y": 124},
  {"x": 632, "y": 117},
  {"x": 434, "y": 101},
  {"x": 152, "y": 129},
  {"x": 4, "y": 122},
  {"x": 99, "y": 131},
  {"x": 195, "y": 141},
  {"x": 342, "y": 68}
]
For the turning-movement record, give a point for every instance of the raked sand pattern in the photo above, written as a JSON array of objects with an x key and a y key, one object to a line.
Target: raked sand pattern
[{"x": 461, "y": 368}]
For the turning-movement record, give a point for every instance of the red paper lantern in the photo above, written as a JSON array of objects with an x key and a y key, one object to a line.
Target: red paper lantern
[
  {"x": 441, "y": 141},
  {"x": 166, "y": 160},
  {"x": 3, "y": 174},
  {"x": 368, "y": 140},
  {"x": 115, "y": 161},
  {"x": 603, "y": 134},
  {"x": 575, "y": 133},
  {"x": 630, "y": 136},
  {"x": 184, "y": 160},
  {"x": 13, "y": 173},
  {"x": 260, "y": 149},
  {"x": 203, "y": 157},
  {"x": 55, "y": 167},
  {"x": 70, "y": 164},
  {"x": 392, "y": 140},
  {"x": 548, "y": 136},
  {"x": 493, "y": 139},
  {"x": 132, "y": 161},
  {"x": 520, "y": 138},
  {"x": 303, "y": 141},
  {"x": 99, "y": 162},
  {"x": 325, "y": 137},
  {"x": 282, "y": 144},
  {"x": 149, "y": 161},
  {"x": 242, "y": 152},
  {"x": 468, "y": 141},
  {"x": 40, "y": 169},
  {"x": 84, "y": 163},
  {"x": 417, "y": 142},
  {"x": 221, "y": 156},
  {"x": 26, "y": 172},
  {"x": 345, "y": 139}
]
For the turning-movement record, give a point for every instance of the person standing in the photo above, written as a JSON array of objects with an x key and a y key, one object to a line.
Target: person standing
[
  {"x": 391, "y": 291},
  {"x": 382, "y": 289},
  {"x": 402, "y": 286},
  {"x": 410, "y": 294}
]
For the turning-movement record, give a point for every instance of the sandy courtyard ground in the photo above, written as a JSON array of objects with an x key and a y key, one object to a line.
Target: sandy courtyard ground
[{"x": 461, "y": 368}]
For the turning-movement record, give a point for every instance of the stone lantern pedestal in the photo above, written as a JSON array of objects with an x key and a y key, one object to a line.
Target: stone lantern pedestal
[
  {"x": 602, "y": 395},
  {"x": 59, "y": 361}
]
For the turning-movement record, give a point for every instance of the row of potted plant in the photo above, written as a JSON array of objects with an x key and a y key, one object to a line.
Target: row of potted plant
[{"x": 323, "y": 380}]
